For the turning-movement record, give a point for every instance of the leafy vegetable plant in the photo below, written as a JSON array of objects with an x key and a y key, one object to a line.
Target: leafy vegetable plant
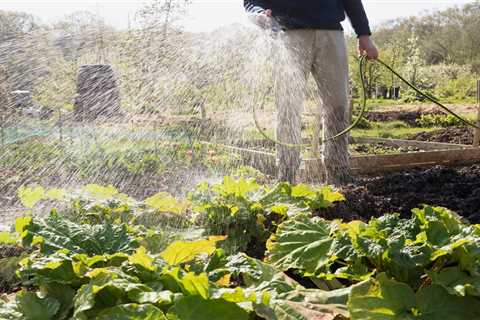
[
  {"x": 104, "y": 264},
  {"x": 247, "y": 212},
  {"x": 405, "y": 263}
]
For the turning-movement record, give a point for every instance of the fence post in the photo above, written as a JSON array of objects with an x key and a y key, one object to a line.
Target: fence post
[
  {"x": 476, "y": 138},
  {"x": 2, "y": 130},
  {"x": 60, "y": 125}
]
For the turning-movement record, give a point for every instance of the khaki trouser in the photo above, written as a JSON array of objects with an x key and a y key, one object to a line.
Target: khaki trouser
[{"x": 324, "y": 54}]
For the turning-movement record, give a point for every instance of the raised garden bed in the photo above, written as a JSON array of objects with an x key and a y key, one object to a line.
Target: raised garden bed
[{"x": 430, "y": 154}]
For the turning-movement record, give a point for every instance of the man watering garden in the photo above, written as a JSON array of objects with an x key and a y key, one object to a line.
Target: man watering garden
[{"x": 315, "y": 43}]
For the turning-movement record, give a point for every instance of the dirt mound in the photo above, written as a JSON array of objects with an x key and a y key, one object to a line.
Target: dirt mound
[
  {"x": 448, "y": 135},
  {"x": 455, "y": 188},
  {"x": 409, "y": 117}
]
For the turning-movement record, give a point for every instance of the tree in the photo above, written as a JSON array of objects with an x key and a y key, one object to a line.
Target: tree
[
  {"x": 80, "y": 33},
  {"x": 15, "y": 24}
]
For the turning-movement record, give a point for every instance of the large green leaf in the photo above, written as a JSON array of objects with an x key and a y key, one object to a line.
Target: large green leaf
[
  {"x": 100, "y": 192},
  {"x": 196, "y": 308},
  {"x": 159, "y": 298},
  {"x": 301, "y": 197},
  {"x": 57, "y": 268},
  {"x": 189, "y": 283},
  {"x": 63, "y": 294},
  {"x": 382, "y": 299},
  {"x": 306, "y": 305},
  {"x": 185, "y": 251},
  {"x": 8, "y": 238},
  {"x": 317, "y": 296},
  {"x": 164, "y": 202},
  {"x": 56, "y": 232},
  {"x": 302, "y": 243},
  {"x": 106, "y": 289},
  {"x": 456, "y": 281},
  {"x": 259, "y": 275},
  {"x": 29, "y": 196},
  {"x": 434, "y": 302},
  {"x": 35, "y": 308},
  {"x": 132, "y": 312},
  {"x": 386, "y": 299},
  {"x": 142, "y": 259},
  {"x": 288, "y": 310},
  {"x": 237, "y": 188}
]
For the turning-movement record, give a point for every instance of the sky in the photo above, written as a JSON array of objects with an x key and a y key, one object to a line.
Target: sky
[{"x": 206, "y": 15}]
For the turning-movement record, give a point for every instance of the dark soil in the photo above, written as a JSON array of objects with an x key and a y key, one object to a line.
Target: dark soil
[
  {"x": 7, "y": 251},
  {"x": 457, "y": 189},
  {"x": 8, "y": 281},
  {"x": 409, "y": 117},
  {"x": 456, "y": 135}
]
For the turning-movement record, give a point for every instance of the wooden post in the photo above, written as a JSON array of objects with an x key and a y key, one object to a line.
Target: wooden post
[
  {"x": 476, "y": 138},
  {"x": 60, "y": 125},
  {"x": 2, "y": 129}
]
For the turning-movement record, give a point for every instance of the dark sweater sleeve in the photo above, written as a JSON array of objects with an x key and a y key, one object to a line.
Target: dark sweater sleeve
[
  {"x": 254, "y": 6},
  {"x": 358, "y": 17}
]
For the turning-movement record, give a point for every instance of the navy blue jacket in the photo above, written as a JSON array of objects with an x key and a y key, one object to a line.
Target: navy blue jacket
[{"x": 314, "y": 14}]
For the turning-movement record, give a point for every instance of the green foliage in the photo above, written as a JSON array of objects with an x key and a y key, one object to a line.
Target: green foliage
[
  {"x": 33, "y": 307},
  {"x": 303, "y": 243},
  {"x": 403, "y": 248},
  {"x": 426, "y": 267},
  {"x": 410, "y": 262},
  {"x": 132, "y": 311},
  {"x": 164, "y": 202},
  {"x": 382, "y": 148},
  {"x": 246, "y": 212},
  {"x": 8, "y": 238},
  {"x": 182, "y": 251},
  {"x": 101, "y": 281},
  {"x": 364, "y": 124},
  {"x": 54, "y": 233},
  {"x": 194, "y": 308},
  {"x": 384, "y": 298},
  {"x": 438, "y": 120},
  {"x": 30, "y": 196}
]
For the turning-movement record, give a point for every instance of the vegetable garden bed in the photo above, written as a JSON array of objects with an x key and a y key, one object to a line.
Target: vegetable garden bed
[
  {"x": 430, "y": 154},
  {"x": 103, "y": 258}
]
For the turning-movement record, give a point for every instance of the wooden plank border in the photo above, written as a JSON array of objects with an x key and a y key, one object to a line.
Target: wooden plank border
[
  {"x": 397, "y": 162},
  {"x": 266, "y": 162},
  {"x": 313, "y": 168},
  {"x": 424, "y": 145}
]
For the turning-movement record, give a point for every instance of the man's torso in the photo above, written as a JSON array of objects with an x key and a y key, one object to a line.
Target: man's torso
[{"x": 321, "y": 14}]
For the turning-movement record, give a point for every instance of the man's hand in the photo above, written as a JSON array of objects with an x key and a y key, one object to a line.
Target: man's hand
[
  {"x": 264, "y": 19},
  {"x": 367, "y": 47}
]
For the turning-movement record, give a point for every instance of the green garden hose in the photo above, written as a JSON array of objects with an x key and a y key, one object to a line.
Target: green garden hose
[{"x": 362, "y": 64}]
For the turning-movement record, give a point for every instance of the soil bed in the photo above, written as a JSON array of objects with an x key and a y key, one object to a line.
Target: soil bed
[
  {"x": 457, "y": 135},
  {"x": 457, "y": 189},
  {"x": 409, "y": 117}
]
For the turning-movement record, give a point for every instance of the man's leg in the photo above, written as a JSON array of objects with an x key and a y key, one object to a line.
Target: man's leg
[
  {"x": 294, "y": 66},
  {"x": 330, "y": 69}
]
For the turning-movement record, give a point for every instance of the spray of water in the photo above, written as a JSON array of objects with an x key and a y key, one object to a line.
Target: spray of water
[{"x": 132, "y": 108}]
